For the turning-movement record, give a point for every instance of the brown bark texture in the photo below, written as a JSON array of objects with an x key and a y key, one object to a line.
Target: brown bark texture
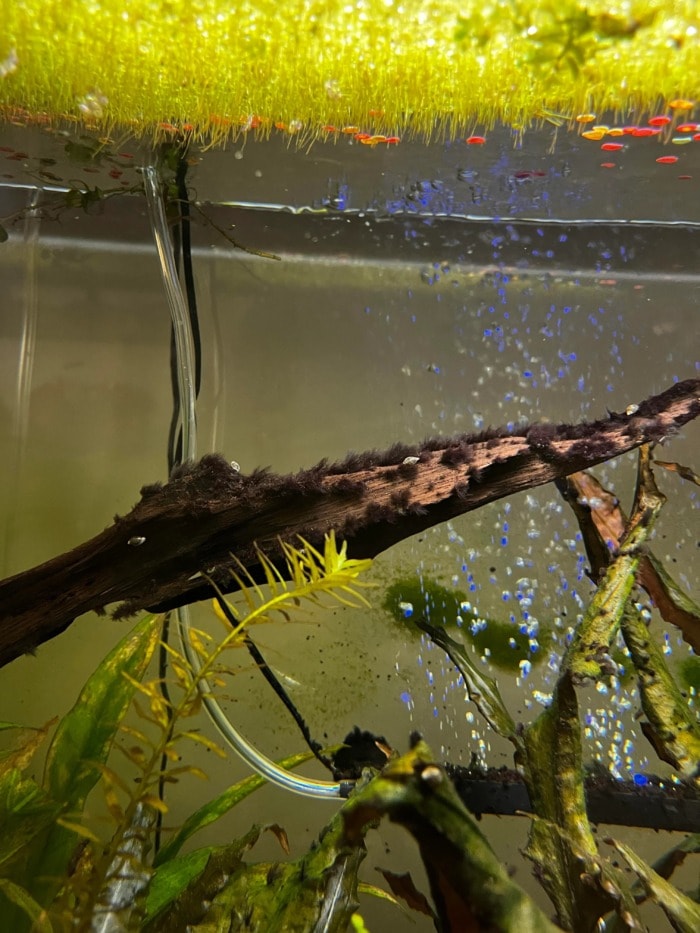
[{"x": 154, "y": 556}]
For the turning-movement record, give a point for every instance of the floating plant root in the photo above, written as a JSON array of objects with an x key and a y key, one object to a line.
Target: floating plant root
[{"x": 156, "y": 556}]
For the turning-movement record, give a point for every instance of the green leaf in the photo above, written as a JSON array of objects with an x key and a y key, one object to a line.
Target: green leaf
[
  {"x": 467, "y": 879},
  {"x": 483, "y": 691},
  {"x": 172, "y": 878},
  {"x": 180, "y": 888},
  {"x": 675, "y": 606},
  {"x": 217, "y": 807},
  {"x": 4, "y": 235},
  {"x": 22, "y": 899},
  {"x": 86, "y": 733},
  {"x": 672, "y": 726},
  {"x": 83, "y": 740},
  {"x": 683, "y": 913},
  {"x": 561, "y": 842},
  {"x": 25, "y": 812},
  {"x": 589, "y": 653},
  {"x": 25, "y": 747}
]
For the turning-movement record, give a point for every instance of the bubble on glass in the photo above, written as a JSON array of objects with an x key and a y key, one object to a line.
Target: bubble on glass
[
  {"x": 92, "y": 104},
  {"x": 9, "y": 64}
]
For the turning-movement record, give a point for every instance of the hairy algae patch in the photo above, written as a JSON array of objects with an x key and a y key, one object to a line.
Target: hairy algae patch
[{"x": 414, "y": 597}]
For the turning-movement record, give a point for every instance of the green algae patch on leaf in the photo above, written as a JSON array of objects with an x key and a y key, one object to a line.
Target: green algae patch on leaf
[
  {"x": 672, "y": 726},
  {"x": 683, "y": 912},
  {"x": 414, "y": 598},
  {"x": 471, "y": 889},
  {"x": 316, "y": 892},
  {"x": 561, "y": 842},
  {"x": 180, "y": 888}
]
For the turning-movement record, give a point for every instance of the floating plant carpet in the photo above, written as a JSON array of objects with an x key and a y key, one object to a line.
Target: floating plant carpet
[{"x": 377, "y": 68}]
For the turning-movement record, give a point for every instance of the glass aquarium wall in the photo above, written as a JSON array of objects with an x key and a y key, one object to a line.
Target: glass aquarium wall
[{"x": 349, "y": 297}]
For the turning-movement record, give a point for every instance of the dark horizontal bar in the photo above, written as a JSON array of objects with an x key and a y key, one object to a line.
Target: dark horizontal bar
[{"x": 654, "y": 805}]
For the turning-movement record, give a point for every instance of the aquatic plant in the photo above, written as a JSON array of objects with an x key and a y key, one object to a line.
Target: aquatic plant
[
  {"x": 56, "y": 873},
  {"x": 322, "y": 69}
]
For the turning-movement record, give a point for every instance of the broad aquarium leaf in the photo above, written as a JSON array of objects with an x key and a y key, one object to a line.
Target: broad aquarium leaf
[
  {"x": 471, "y": 889},
  {"x": 403, "y": 886},
  {"x": 672, "y": 726},
  {"x": 21, "y": 899},
  {"x": 82, "y": 742},
  {"x": 684, "y": 472},
  {"x": 561, "y": 842},
  {"x": 182, "y": 888},
  {"x": 589, "y": 654},
  {"x": 683, "y": 913},
  {"x": 24, "y": 749},
  {"x": 483, "y": 690},
  {"x": 25, "y": 813},
  {"x": 603, "y": 524},
  {"x": 173, "y": 878},
  {"x": 317, "y": 892},
  {"x": 86, "y": 733},
  {"x": 676, "y": 607},
  {"x": 669, "y": 861}
]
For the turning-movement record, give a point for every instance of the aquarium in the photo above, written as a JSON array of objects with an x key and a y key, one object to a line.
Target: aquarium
[{"x": 289, "y": 299}]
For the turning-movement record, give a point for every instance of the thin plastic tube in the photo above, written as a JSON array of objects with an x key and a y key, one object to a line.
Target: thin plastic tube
[
  {"x": 184, "y": 344},
  {"x": 184, "y": 348}
]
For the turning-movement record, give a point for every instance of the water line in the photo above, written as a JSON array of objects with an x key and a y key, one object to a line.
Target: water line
[{"x": 184, "y": 346}]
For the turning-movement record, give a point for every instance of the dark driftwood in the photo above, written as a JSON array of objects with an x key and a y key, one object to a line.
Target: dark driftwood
[
  {"x": 152, "y": 557},
  {"x": 655, "y": 805}
]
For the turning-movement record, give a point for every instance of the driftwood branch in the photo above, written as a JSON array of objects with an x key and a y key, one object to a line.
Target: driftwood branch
[
  {"x": 154, "y": 556},
  {"x": 657, "y": 804}
]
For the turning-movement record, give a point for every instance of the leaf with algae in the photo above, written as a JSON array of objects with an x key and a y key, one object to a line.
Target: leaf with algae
[
  {"x": 683, "y": 912},
  {"x": 471, "y": 889},
  {"x": 216, "y": 808},
  {"x": 589, "y": 653},
  {"x": 602, "y": 524},
  {"x": 316, "y": 892},
  {"x": 482, "y": 689},
  {"x": 561, "y": 842},
  {"x": 672, "y": 727},
  {"x": 81, "y": 743}
]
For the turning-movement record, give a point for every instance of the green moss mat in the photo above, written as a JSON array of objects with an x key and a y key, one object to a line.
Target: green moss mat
[{"x": 388, "y": 68}]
